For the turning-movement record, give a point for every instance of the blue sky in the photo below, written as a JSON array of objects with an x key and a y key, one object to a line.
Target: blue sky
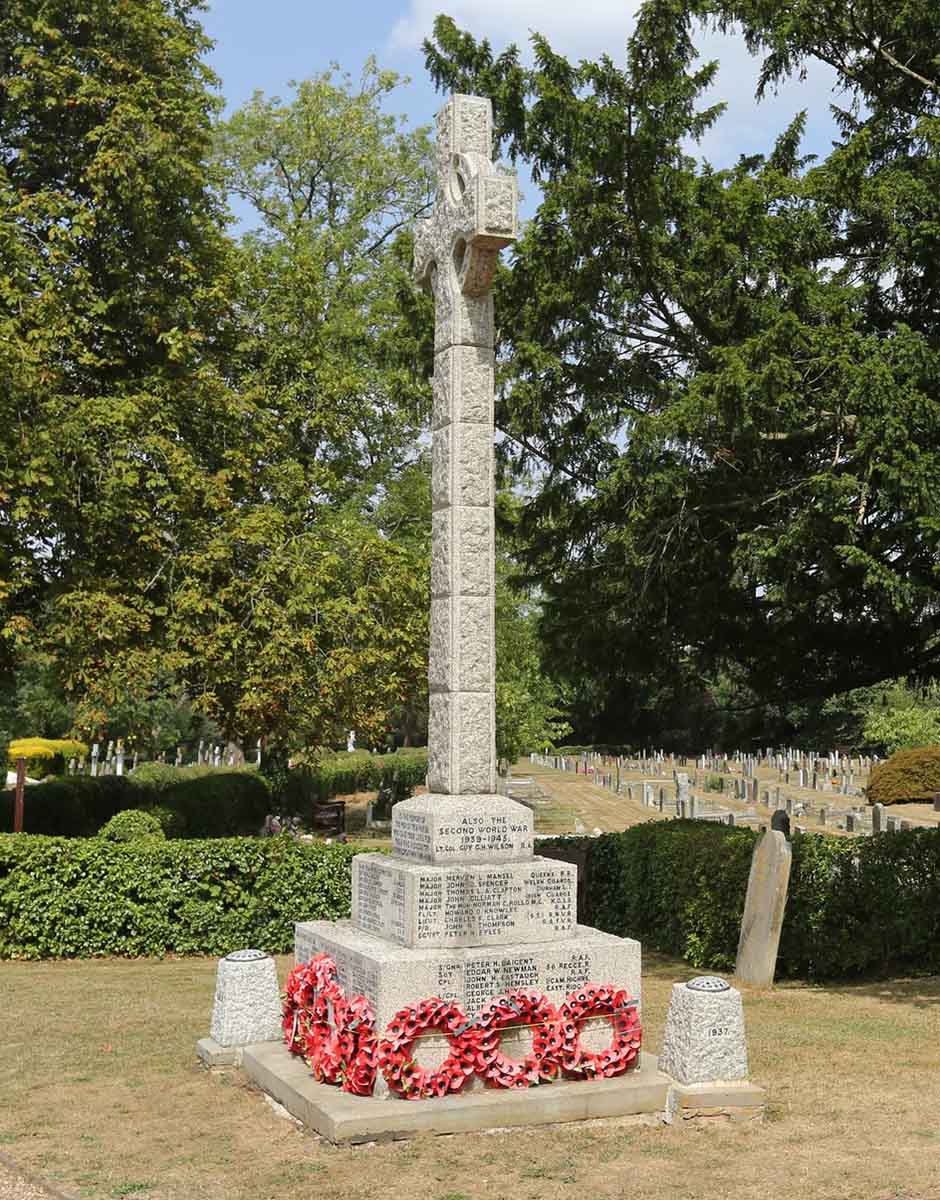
[{"x": 264, "y": 43}]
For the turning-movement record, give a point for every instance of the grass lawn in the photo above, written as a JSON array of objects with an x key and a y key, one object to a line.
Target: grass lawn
[{"x": 102, "y": 1095}]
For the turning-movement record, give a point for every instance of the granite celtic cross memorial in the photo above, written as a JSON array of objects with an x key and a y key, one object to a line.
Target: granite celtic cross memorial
[
  {"x": 463, "y": 963},
  {"x": 463, "y": 909}
]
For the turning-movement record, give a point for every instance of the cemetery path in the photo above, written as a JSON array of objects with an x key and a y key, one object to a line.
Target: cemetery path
[{"x": 568, "y": 801}]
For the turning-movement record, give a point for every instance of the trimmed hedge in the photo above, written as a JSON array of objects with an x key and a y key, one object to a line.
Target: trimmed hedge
[
  {"x": 856, "y": 906},
  {"x": 79, "y": 898},
  {"x": 396, "y": 775},
  {"x": 206, "y": 801},
  {"x": 907, "y": 776}
]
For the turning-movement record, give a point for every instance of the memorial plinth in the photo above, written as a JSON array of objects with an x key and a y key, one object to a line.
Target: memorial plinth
[
  {"x": 474, "y": 905},
  {"x": 464, "y": 910}
]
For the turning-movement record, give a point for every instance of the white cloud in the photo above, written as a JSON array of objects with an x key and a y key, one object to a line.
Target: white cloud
[
  {"x": 594, "y": 27},
  {"x": 578, "y": 30}
]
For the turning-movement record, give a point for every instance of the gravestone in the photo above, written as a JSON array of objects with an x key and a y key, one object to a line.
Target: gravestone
[
  {"x": 764, "y": 906},
  {"x": 780, "y": 822},
  {"x": 682, "y": 794},
  {"x": 462, "y": 909}
]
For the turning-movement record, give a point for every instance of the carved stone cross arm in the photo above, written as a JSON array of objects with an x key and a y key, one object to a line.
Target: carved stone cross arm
[{"x": 474, "y": 217}]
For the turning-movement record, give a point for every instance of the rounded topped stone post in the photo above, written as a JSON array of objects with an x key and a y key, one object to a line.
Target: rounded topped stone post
[
  {"x": 247, "y": 1006},
  {"x": 704, "y": 1040}
]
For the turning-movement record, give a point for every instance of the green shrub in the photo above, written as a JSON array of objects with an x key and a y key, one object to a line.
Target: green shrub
[
  {"x": 714, "y": 783},
  {"x": 171, "y": 822},
  {"x": 908, "y": 775},
  {"x": 81, "y": 897},
  {"x": 73, "y": 805},
  {"x": 214, "y": 802},
  {"x": 158, "y": 775},
  {"x": 855, "y": 905},
  {"x": 131, "y": 824},
  {"x": 681, "y": 882}
]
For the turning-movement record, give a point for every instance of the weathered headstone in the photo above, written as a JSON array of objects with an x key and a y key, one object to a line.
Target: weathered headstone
[
  {"x": 682, "y": 794},
  {"x": 462, "y": 909},
  {"x": 764, "y": 906}
]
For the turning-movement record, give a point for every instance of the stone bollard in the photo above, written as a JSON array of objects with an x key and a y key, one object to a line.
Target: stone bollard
[
  {"x": 247, "y": 1007},
  {"x": 704, "y": 1039},
  {"x": 877, "y": 818}
]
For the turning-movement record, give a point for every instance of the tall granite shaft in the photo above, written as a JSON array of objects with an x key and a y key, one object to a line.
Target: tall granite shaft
[{"x": 455, "y": 256}]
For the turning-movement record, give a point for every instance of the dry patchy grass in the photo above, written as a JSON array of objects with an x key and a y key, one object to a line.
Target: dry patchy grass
[{"x": 102, "y": 1095}]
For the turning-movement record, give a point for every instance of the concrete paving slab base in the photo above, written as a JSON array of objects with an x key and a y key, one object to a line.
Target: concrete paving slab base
[
  {"x": 343, "y": 1118},
  {"x": 212, "y": 1054}
]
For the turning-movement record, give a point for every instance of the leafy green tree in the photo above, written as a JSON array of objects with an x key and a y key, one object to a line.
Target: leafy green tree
[
  {"x": 335, "y": 340},
  {"x": 725, "y": 382},
  {"x": 297, "y": 615},
  {"x": 199, "y": 430},
  {"x": 111, "y": 320},
  {"x": 529, "y": 715}
]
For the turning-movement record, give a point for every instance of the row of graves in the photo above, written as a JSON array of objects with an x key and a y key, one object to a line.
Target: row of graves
[
  {"x": 681, "y": 793},
  {"x": 113, "y": 758},
  {"x": 462, "y": 993}
]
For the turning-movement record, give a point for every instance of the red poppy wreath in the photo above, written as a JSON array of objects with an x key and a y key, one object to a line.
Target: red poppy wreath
[
  {"x": 395, "y": 1060},
  {"x": 600, "y": 1000},
  {"x": 522, "y": 1007}
]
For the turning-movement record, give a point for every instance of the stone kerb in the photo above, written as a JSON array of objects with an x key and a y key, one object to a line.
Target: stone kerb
[
  {"x": 481, "y": 904},
  {"x": 439, "y": 830}
]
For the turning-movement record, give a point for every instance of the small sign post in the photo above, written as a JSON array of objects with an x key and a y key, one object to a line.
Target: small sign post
[{"x": 18, "y": 799}]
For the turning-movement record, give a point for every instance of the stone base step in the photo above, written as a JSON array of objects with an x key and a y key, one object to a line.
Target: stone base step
[{"x": 344, "y": 1118}]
